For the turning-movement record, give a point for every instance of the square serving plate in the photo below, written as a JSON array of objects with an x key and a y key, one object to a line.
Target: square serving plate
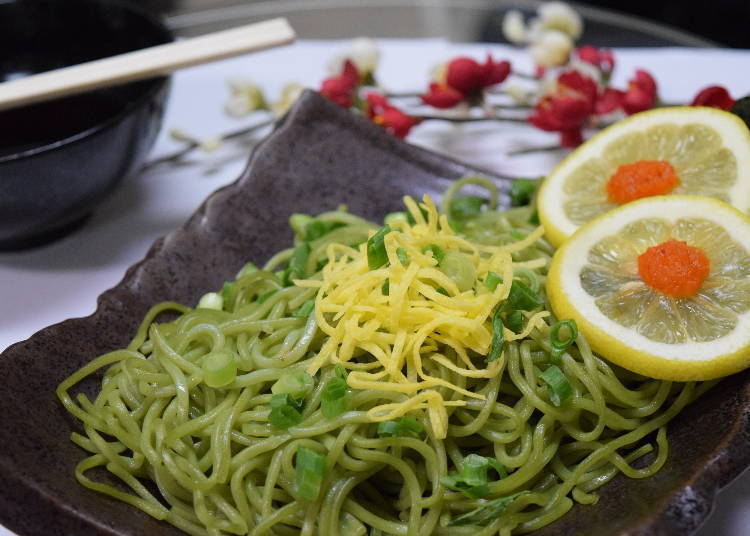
[{"x": 318, "y": 157}]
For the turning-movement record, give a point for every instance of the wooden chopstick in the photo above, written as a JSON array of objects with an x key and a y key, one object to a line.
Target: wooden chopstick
[{"x": 145, "y": 63}]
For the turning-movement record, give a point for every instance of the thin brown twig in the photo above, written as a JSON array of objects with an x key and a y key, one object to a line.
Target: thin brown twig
[{"x": 192, "y": 145}]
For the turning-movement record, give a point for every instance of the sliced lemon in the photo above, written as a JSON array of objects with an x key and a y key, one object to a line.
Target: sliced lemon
[
  {"x": 597, "y": 278},
  {"x": 708, "y": 150}
]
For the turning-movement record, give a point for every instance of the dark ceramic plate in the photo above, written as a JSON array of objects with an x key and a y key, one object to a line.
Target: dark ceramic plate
[{"x": 318, "y": 157}]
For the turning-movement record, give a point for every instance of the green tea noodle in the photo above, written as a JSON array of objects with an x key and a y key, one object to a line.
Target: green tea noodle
[{"x": 208, "y": 459}]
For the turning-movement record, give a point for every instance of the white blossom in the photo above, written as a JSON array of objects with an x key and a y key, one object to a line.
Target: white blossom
[
  {"x": 518, "y": 93},
  {"x": 551, "y": 49},
  {"x": 363, "y": 53},
  {"x": 289, "y": 95},
  {"x": 209, "y": 145},
  {"x": 245, "y": 97},
  {"x": 514, "y": 28},
  {"x": 557, "y": 16}
]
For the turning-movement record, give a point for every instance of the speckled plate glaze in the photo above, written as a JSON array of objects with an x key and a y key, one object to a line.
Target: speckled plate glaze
[{"x": 318, "y": 157}]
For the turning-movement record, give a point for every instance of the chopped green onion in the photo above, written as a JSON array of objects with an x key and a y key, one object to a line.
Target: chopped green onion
[
  {"x": 560, "y": 389},
  {"x": 465, "y": 207},
  {"x": 437, "y": 251},
  {"x": 316, "y": 229},
  {"x": 305, "y": 310},
  {"x": 219, "y": 369},
  {"x": 340, "y": 371},
  {"x": 529, "y": 277},
  {"x": 472, "y": 479},
  {"x": 298, "y": 264},
  {"x": 248, "y": 269},
  {"x": 333, "y": 398},
  {"x": 534, "y": 218},
  {"x": 401, "y": 427},
  {"x": 226, "y": 290},
  {"x": 386, "y": 288},
  {"x": 515, "y": 321},
  {"x": 522, "y": 298},
  {"x": 560, "y": 345},
  {"x": 211, "y": 300},
  {"x": 487, "y": 512},
  {"x": 403, "y": 257},
  {"x": 285, "y": 411},
  {"x": 498, "y": 337},
  {"x": 376, "y": 254},
  {"x": 460, "y": 268},
  {"x": 263, "y": 297},
  {"x": 295, "y": 383},
  {"x": 554, "y": 334},
  {"x": 441, "y": 290},
  {"x": 393, "y": 217},
  {"x": 522, "y": 190},
  {"x": 310, "y": 467},
  {"x": 492, "y": 281},
  {"x": 518, "y": 235},
  {"x": 299, "y": 223}
]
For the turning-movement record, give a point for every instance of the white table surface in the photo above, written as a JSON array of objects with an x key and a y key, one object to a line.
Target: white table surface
[{"x": 62, "y": 280}]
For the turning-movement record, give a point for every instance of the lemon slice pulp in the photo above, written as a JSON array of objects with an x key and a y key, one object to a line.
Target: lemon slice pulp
[
  {"x": 594, "y": 278},
  {"x": 709, "y": 150}
]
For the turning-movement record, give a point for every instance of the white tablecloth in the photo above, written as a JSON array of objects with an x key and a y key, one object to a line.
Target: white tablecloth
[{"x": 62, "y": 280}]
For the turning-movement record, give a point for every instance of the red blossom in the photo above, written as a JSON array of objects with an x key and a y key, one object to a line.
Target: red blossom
[
  {"x": 388, "y": 116},
  {"x": 495, "y": 72},
  {"x": 342, "y": 88},
  {"x": 609, "y": 100},
  {"x": 464, "y": 74},
  {"x": 641, "y": 93},
  {"x": 604, "y": 60},
  {"x": 567, "y": 109},
  {"x": 465, "y": 78},
  {"x": 442, "y": 96},
  {"x": 714, "y": 96}
]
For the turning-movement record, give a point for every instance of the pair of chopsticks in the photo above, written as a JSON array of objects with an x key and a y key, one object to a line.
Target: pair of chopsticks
[{"x": 145, "y": 63}]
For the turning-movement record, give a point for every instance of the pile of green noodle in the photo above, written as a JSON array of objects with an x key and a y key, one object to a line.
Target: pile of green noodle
[{"x": 208, "y": 461}]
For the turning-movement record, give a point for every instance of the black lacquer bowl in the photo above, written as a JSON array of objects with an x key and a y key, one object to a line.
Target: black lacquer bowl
[
  {"x": 318, "y": 157},
  {"x": 58, "y": 159}
]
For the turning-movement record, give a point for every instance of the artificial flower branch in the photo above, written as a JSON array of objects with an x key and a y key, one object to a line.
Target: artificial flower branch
[{"x": 571, "y": 91}]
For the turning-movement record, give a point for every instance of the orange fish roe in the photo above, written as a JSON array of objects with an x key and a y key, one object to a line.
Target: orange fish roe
[
  {"x": 674, "y": 268},
  {"x": 641, "y": 179}
]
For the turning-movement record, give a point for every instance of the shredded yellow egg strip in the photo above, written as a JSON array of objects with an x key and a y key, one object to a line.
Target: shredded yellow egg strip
[{"x": 410, "y": 323}]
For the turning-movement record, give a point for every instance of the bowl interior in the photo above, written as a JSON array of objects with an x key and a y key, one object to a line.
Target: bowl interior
[{"x": 50, "y": 34}]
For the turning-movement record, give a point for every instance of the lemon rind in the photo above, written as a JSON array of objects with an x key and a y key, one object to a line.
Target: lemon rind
[
  {"x": 733, "y": 132},
  {"x": 679, "y": 362}
]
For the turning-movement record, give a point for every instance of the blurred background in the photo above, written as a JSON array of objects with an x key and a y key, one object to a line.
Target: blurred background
[{"x": 720, "y": 22}]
